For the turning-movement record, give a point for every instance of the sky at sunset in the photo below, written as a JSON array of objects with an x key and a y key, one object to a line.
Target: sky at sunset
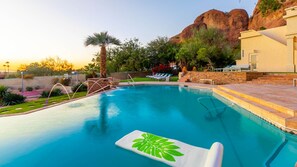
[{"x": 31, "y": 30}]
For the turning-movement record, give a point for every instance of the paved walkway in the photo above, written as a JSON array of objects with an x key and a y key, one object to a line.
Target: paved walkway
[{"x": 284, "y": 95}]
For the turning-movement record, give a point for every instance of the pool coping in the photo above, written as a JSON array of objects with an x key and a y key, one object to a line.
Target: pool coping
[{"x": 183, "y": 84}]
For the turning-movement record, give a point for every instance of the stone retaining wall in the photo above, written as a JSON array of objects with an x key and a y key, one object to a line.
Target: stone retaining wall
[{"x": 221, "y": 77}]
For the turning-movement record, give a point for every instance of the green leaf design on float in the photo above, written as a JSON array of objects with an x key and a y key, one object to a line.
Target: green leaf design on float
[{"x": 157, "y": 146}]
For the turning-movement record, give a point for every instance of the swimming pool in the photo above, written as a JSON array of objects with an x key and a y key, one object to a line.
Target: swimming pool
[{"x": 83, "y": 132}]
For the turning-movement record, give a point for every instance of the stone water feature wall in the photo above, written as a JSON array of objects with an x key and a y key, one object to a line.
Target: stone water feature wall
[
  {"x": 95, "y": 84},
  {"x": 221, "y": 77}
]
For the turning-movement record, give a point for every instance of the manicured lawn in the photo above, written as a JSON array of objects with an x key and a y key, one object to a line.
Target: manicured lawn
[
  {"x": 24, "y": 107},
  {"x": 144, "y": 79}
]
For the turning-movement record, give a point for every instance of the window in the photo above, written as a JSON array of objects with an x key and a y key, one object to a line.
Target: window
[{"x": 242, "y": 53}]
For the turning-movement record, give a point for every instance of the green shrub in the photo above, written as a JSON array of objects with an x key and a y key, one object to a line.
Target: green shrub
[
  {"x": 3, "y": 91},
  {"x": 65, "y": 81},
  {"x": 269, "y": 5},
  {"x": 12, "y": 99},
  {"x": 55, "y": 92},
  {"x": 82, "y": 87},
  {"x": 37, "y": 87},
  {"x": 29, "y": 88}
]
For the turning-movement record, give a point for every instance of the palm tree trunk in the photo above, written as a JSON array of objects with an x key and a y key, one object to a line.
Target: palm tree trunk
[{"x": 103, "y": 62}]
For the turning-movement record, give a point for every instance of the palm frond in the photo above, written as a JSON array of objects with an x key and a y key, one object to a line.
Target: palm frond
[
  {"x": 91, "y": 40},
  {"x": 157, "y": 146},
  {"x": 101, "y": 39},
  {"x": 113, "y": 40}
]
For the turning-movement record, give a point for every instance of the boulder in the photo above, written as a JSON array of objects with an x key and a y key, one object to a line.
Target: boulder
[
  {"x": 231, "y": 23},
  {"x": 270, "y": 20}
]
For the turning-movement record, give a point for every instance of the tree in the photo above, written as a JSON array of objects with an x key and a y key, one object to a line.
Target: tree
[
  {"x": 4, "y": 65},
  {"x": 102, "y": 40},
  {"x": 130, "y": 56},
  {"x": 7, "y": 65},
  {"x": 207, "y": 48},
  {"x": 56, "y": 65},
  {"x": 91, "y": 68},
  {"x": 48, "y": 66},
  {"x": 161, "y": 51}
]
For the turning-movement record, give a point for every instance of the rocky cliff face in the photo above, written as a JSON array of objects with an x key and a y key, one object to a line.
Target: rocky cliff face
[
  {"x": 271, "y": 19},
  {"x": 235, "y": 21},
  {"x": 230, "y": 23}
]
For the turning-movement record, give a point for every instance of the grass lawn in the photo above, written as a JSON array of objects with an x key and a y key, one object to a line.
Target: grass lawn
[
  {"x": 143, "y": 79},
  {"x": 31, "y": 105}
]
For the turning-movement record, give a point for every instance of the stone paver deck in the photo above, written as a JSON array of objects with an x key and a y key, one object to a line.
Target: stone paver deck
[{"x": 284, "y": 95}]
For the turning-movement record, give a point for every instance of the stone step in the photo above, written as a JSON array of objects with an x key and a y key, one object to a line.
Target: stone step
[
  {"x": 292, "y": 122},
  {"x": 277, "y": 82},
  {"x": 279, "y": 79},
  {"x": 280, "y": 108},
  {"x": 269, "y": 114},
  {"x": 274, "y": 78}
]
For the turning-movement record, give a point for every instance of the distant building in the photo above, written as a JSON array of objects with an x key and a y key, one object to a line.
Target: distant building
[{"x": 271, "y": 50}]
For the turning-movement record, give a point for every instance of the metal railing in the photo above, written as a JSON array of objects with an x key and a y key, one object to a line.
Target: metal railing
[{"x": 130, "y": 80}]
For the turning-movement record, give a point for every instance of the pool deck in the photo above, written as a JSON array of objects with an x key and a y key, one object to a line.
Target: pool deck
[
  {"x": 276, "y": 104},
  {"x": 284, "y": 95}
]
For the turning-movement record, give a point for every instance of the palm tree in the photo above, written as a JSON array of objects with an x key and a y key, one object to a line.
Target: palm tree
[
  {"x": 4, "y": 65},
  {"x": 102, "y": 40},
  {"x": 7, "y": 65}
]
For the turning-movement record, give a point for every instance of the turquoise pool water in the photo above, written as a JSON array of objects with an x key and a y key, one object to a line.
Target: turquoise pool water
[{"x": 83, "y": 132}]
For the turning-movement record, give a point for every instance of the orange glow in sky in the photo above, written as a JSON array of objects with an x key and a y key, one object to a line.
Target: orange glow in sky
[{"x": 31, "y": 30}]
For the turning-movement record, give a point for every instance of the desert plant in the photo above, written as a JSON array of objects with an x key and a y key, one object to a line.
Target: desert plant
[
  {"x": 29, "y": 88},
  {"x": 55, "y": 92},
  {"x": 55, "y": 80},
  {"x": 266, "y": 6},
  {"x": 12, "y": 99},
  {"x": 65, "y": 81},
  {"x": 3, "y": 91},
  {"x": 79, "y": 87}
]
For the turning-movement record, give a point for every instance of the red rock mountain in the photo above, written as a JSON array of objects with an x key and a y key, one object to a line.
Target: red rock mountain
[
  {"x": 230, "y": 23},
  {"x": 272, "y": 19},
  {"x": 235, "y": 21}
]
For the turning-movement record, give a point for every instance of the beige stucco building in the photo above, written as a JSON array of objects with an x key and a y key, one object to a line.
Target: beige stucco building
[{"x": 271, "y": 50}]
